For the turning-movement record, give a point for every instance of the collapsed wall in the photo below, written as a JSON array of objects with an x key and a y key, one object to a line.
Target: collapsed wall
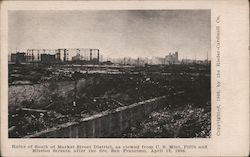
[{"x": 104, "y": 124}]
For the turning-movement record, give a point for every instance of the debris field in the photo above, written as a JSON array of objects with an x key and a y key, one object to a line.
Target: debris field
[{"x": 97, "y": 89}]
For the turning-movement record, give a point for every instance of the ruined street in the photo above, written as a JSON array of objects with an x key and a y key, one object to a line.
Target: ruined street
[{"x": 50, "y": 96}]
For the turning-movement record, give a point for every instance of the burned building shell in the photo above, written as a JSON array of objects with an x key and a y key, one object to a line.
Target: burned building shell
[{"x": 57, "y": 55}]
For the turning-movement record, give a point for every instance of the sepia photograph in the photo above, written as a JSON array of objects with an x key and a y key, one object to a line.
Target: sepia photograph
[{"x": 109, "y": 73}]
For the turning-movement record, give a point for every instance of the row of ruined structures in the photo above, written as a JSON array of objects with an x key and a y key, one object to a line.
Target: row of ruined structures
[{"x": 56, "y": 55}]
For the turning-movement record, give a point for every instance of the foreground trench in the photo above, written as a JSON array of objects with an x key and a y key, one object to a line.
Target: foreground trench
[{"x": 104, "y": 124}]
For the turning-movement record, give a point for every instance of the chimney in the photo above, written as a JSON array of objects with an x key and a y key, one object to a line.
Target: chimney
[
  {"x": 64, "y": 57},
  {"x": 98, "y": 55},
  {"x": 90, "y": 54}
]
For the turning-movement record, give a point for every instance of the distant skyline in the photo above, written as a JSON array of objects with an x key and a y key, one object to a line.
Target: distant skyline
[{"x": 117, "y": 33}]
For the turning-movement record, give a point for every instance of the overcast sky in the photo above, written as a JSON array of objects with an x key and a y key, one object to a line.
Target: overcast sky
[{"x": 131, "y": 33}]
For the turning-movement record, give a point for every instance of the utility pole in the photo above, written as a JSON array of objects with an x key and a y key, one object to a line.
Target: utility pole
[{"x": 207, "y": 57}]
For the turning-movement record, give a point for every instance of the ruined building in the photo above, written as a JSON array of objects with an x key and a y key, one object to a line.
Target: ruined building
[
  {"x": 91, "y": 56},
  {"x": 171, "y": 58},
  {"x": 18, "y": 57},
  {"x": 48, "y": 58}
]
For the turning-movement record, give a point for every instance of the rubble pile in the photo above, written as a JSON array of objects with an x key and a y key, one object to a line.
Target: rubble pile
[
  {"x": 27, "y": 74},
  {"x": 26, "y": 121},
  {"x": 182, "y": 122}
]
